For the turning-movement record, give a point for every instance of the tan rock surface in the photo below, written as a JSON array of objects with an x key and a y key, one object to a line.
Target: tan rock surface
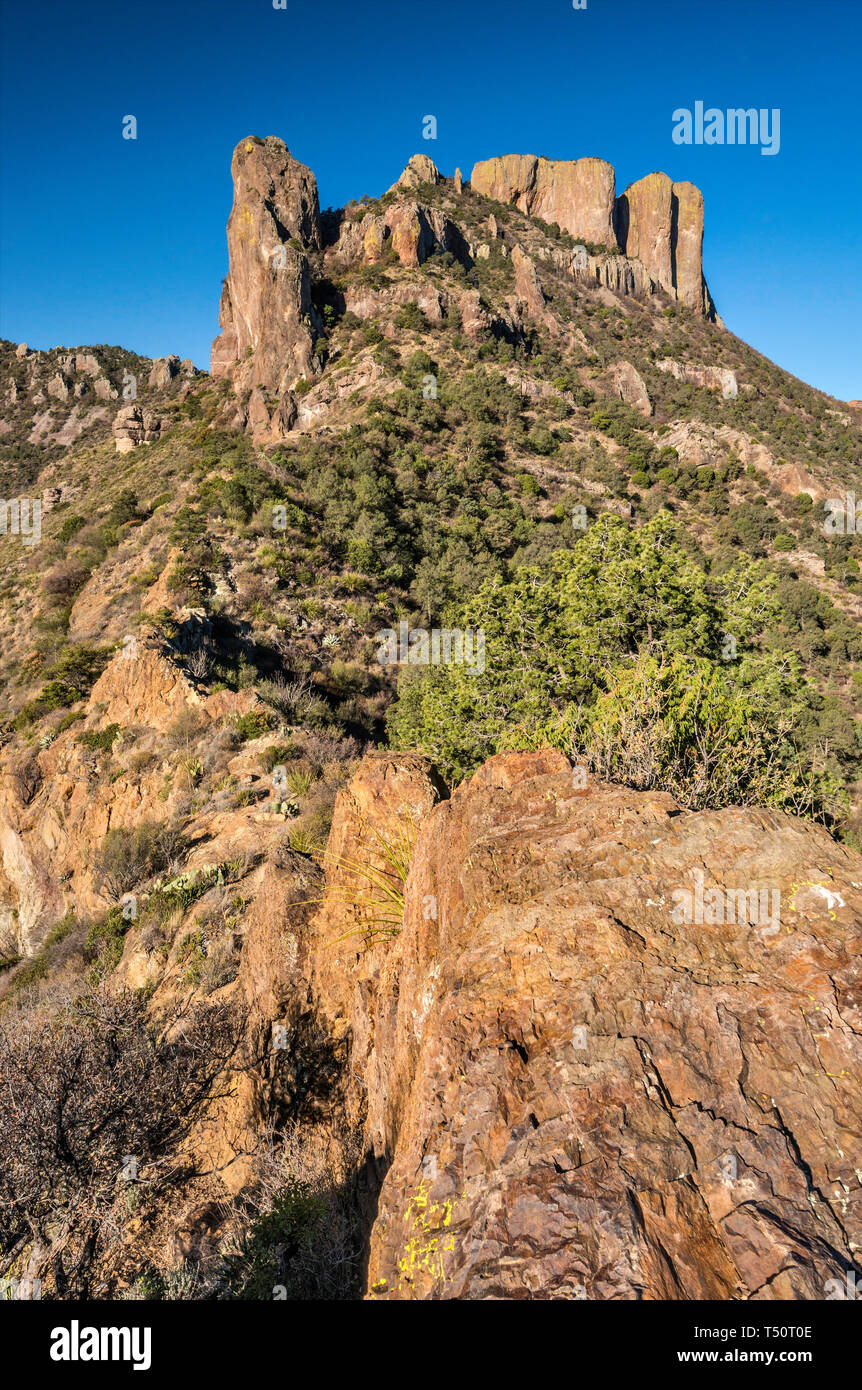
[
  {"x": 572, "y": 1094},
  {"x": 577, "y": 194}
]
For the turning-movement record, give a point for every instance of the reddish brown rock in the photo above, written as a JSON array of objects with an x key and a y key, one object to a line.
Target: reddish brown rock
[
  {"x": 645, "y": 223},
  {"x": 572, "y": 1093},
  {"x": 420, "y": 169},
  {"x": 630, "y": 387},
  {"x": 412, "y": 237},
  {"x": 661, "y": 224},
  {"x": 527, "y": 285}
]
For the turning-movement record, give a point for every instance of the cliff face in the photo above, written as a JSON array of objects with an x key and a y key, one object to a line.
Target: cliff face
[
  {"x": 267, "y": 338},
  {"x": 571, "y": 1092},
  {"x": 577, "y": 194},
  {"x": 272, "y": 337},
  {"x": 661, "y": 224},
  {"x": 656, "y": 222}
]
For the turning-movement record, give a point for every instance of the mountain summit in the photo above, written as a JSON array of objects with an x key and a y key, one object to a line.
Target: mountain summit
[{"x": 647, "y": 242}]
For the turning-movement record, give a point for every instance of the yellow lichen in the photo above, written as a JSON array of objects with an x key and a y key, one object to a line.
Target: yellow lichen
[{"x": 427, "y": 1241}]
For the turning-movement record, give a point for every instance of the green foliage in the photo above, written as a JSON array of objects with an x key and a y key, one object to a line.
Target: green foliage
[
  {"x": 100, "y": 740},
  {"x": 569, "y": 646},
  {"x": 253, "y": 725},
  {"x": 72, "y": 676},
  {"x": 70, "y": 527},
  {"x": 276, "y": 755},
  {"x": 274, "y": 1241},
  {"x": 105, "y": 939}
]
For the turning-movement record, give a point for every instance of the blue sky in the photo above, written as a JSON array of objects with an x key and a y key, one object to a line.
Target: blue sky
[{"x": 110, "y": 240}]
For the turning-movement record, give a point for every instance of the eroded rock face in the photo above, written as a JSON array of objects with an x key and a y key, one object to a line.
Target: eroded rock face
[
  {"x": 527, "y": 284},
  {"x": 714, "y": 378},
  {"x": 661, "y": 224},
  {"x": 630, "y": 387},
  {"x": 133, "y": 425},
  {"x": 657, "y": 223},
  {"x": 571, "y": 1092},
  {"x": 163, "y": 370},
  {"x": 577, "y": 194},
  {"x": 267, "y": 338}
]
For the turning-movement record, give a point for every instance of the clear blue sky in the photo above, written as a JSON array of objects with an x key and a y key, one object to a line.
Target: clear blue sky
[{"x": 119, "y": 241}]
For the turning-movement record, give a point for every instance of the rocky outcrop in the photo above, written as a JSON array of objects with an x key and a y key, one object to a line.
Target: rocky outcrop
[
  {"x": 629, "y": 385},
  {"x": 657, "y": 223},
  {"x": 411, "y": 233},
  {"x": 528, "y": 287},
  {"x": 133, "y": 425},
  {"x": 569, "y": 1089},
  {"x": 420, "y": 169},
  {"x": 266, "y": 316},
  {"x": 714, "y": 378},
  {"x": 164, "y": 370},
  {"x": 661, "y": 224},
  {"x": 577, "y": 194}
]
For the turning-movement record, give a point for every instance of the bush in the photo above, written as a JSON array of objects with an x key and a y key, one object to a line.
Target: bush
[
  {"x": 100, "y": 740},
  {"x": 129, "y": 855},
  {"x": 102, "y": 1081},
  {"x": 254, "y": 724},
  {"x": 72, "y": 676},
  {"x": 619, "y": 641}
]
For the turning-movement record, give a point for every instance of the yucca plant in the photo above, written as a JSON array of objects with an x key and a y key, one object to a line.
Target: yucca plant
[
  {"x": 300, "y": 780},
  {"x": 378, "y": 889}
]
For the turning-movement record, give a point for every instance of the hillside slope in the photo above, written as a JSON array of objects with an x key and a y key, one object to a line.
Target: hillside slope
[{"x": 436, "y": 409}]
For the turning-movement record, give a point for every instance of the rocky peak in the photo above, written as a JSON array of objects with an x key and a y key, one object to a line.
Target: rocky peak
[
  {"x": 420, "y": 169},
  {"x": 661, "y": 224},
  {"x": 655, "y": 222},
  {"x": 267, "y": 338}
]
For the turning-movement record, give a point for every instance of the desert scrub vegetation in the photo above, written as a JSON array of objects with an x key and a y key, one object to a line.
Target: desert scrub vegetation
[
  {"x": 129, "y": 855},
  {"x": 371, "y": 886},
  {"x": 86, "y": 1088}
]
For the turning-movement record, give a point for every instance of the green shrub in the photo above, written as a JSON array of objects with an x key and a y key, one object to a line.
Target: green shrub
[
  {"x": 100, "y": 740},
  {"x": 569, "y": 645},
  {"x": 254, "y": 724},
  {"x": 70, "y": 527}
]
